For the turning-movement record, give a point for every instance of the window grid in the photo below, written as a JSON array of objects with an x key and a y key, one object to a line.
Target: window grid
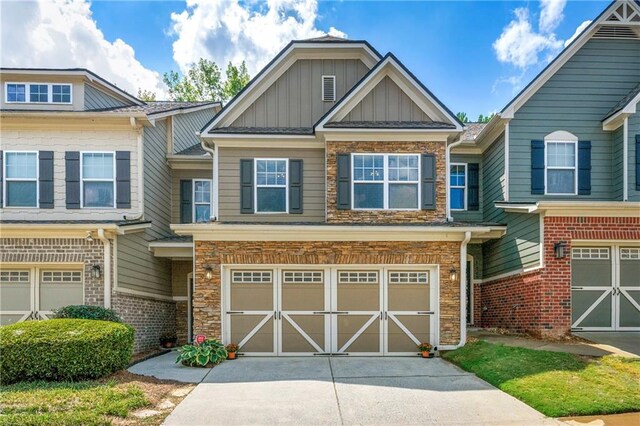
[
  {"x": 271, "y": 173},
  {"x": 560, "y": 161},
  {"x": 630, "y": 253},
  {"x": 20, "y": 171},
  {"x": 61, "y": 276},
  {"x": 357, "y": 277},
  {"x": 58, "y": 93},
  {"x": 590, "y": 253},
  {"x": 39, "y": 93},
  {"x": 251, "y": 277},
  {"x": 409, "y": 277},
  {"x": 61, "y": 93},
  {"x": 303, "y": 277},
  {"x": 14, "y": 276},
  {"x": 201, "y": 200},
  {"x": 16, "y": 92},
  {"x": 99, "y": 174},
  {"x": 458, "y": 182},
  {"x": 392, "y": 171}
]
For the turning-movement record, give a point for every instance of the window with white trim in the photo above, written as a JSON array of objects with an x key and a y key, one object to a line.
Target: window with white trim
[
  {"x": 590, "y": 253},
  {"x": 14, "y": 276},
  {"x": 458, "y": 186},
  {"x": 560, "y": 167},
  {"x": 290, "y": 277},
  {"x": 357, "y": 277},
  {"x": 271, "y": 182},
  {"x": 20, "y": 178},
  {"x": 61, "y": 276},
  {"x": 52, "y": 93},
  {"x": 386, "y": 181},
  {"x": 98, "y": 170},
  {"x": 409, "y": 277},
  {"x": 630, "y": 253},
  {"x": 328, "y": 88},
  {"x": 251, "y": 277},
  {"x": 201, "y": 200}
]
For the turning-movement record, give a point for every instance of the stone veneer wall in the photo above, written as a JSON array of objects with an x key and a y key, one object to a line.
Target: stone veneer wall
[
  {"x": 182, "y": 319},
  {"x": 207, "y": 303},
  {"x": 386, "y": 216}
]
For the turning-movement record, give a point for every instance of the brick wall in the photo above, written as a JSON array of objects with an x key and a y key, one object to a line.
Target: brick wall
[
  {"x": 207, "y": 303},
  {"x": 367, "y": 216},
  {"x": 477, "y": 304}
]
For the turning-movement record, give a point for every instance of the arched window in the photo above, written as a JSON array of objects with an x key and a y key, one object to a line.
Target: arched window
[{"x": 561, "y": 163}]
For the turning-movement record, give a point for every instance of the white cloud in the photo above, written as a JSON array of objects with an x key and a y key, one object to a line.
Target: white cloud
[
  {"x": 234, "y": 31},
  {"x": 578, "y": 31},
  {"x": 551, "y": 14},
  {"x": 63, "y": 34}
]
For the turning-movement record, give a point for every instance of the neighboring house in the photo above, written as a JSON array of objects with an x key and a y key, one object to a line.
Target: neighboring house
[
  {"x": 86, "y": 185},
  {"x": 329, "y": 230},
  {"x": 560, "y": 165}
]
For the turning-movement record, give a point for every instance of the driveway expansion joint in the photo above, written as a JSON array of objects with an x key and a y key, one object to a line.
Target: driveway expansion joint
[{"x": 335, "y": 391}]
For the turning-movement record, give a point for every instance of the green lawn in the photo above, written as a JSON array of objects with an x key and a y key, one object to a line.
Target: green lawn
[
  {"x": 556, "y": 384},
  {"x": 66, "y": 404}
]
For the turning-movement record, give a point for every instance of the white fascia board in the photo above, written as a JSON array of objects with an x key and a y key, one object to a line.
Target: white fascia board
[
  {"x": 160, "y": 115},
  {"x": 517, "y": 208},
  {"x": 590, "y": 208},
  {"x": 131, "y": 229},
  {"x": 617, "y": 119}
]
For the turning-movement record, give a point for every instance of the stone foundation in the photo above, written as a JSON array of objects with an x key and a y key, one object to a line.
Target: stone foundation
[{"x": 182, "y": 319}]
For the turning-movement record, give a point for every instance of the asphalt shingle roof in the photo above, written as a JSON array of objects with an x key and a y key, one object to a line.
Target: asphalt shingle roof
[
  {"x": 390, "y": 125},
  {"x": 265, "y": 130},
  {"x": 471, "y": 130},
  {"x": 156, "y": 107},
  {"x": 195, "y": 150},
  {"x": 623, "y": 102}
]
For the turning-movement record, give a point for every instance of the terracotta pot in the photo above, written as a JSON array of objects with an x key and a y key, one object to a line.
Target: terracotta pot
[
  {"x": 231, "y": 355},
  {"x": 426, "y": 354},
  {"x": 168, "y": 344}
]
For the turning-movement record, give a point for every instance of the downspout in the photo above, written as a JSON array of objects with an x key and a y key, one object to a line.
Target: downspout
[
  {"x": 214, "y": 177},
  {"x": 448, "y": 177},
  {"x": 625, "y": 160},
  {"x": 463, "y": 290},
  {"x": 106, "y": 276}
]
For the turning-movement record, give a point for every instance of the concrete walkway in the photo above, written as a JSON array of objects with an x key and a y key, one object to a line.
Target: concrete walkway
[
  {"x": 164, "y": 367},
  {"x": 578, "y": 348},
  {"x": 349, "y": 391}
]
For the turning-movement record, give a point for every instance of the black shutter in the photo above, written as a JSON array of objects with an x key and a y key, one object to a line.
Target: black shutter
[
  {"x": 45, "y": 179},
  {"x": 537, "y": 167},
  {"x": 246, "y": 186},
  {"x": 123, "y": 179},
  {"x": 584, "y": 168},
  {"x": 473, "y": 200},
  {"x": 637, "y": 162},
  {"x": 72, "y": 179},
  {"x": 1, "y": 180},
  {"x": 295, "y": 186},
  {"x": 428, "y": 182},
  {"x": 186, "y": 204},
  {"x": 343, "y": 182}
]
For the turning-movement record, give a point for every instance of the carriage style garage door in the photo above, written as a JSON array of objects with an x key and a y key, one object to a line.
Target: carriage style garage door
[
  {"x": 330, "y": 310},
  {"x": 605, "y": 288},
  {"x": 34, "y": 293}
]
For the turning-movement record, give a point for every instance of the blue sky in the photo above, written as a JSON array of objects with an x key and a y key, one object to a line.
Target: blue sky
[{"x": 447, "y": 45}]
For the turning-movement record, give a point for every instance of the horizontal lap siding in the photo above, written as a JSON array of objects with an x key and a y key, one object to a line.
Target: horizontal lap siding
[
  {"x": 97, "y": 99},
  {"x": 185, "y": 127},
  {"x": 634, "y": 129},
  {"x": 617, "y": 163},
  {"x": 576, "y": 99},
  {"x": 475, "y": 215},
  {"x": 313, "y": 184},
  {"x": 176, "y": 177}
]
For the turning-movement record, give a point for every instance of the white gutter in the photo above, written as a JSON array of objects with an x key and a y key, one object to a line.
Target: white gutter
[
  {"x": 448, "y": 177},
  {"x": 506, "y": 161},
  {"x": 463, "y": 290},
  {"x": 214, "y": 177},
  {"x": 140, "y": 160},
  {"x": 625, "y": 160},
  {"x": 106, "y": 275}
]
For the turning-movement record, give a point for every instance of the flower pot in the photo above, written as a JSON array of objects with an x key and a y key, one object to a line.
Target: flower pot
[
  {"x": 231, "y": 355},
  {"x": 427, "y": 354},
  {"x": 168, "y": 344}
]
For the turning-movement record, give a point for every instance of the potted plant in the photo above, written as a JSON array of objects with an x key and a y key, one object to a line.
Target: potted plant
[
  {"x": 232, "y": 348},
  {"x": 425, "y": 350},
  {"x": 168, "y": 339}
]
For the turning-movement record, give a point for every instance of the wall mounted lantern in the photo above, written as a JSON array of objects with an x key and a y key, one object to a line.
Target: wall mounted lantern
[
  {"x": 95, "y": 271},
  {"x": 453, "y": 274},
  {"x": 208, "y": 271},
  {"x": 559, "y": 249}
]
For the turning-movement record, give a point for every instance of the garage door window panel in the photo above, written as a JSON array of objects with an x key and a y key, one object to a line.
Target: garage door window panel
[{"x": 60, "y": 288}]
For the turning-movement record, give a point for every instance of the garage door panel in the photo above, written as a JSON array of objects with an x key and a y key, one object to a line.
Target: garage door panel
[
  {"x": 600, "y": 315},
  {"x": 15, "y": 296},
  {"x": 57, "y": 295},
  {"x": 8, "y": 319},
  {"x": 591, "y": 273},
  {"x": 416, "y": 326},
  {"x": 252, "y": 297},
  {"x": 243, "y": 326},
  {"x": 300, "y": 332},
  {"x": 629, "y": 311},
  {"x": 354, "y": 335},
  {"x": 409, "y": 297}
]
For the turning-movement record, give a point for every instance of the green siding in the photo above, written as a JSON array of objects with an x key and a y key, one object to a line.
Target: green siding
[
  {"x": 475, "y": 250},
  {"x": 616, "y": 164},
  {"x": 471, "y": 216},
  {"x": 493, "y": 179},
  {"x": 185, "y": 127},
  {"x": 576, "y": 99},
  {"x": 138, "y": 269},
  {"x": 97, "y": 99},
  {"x": 519, "y": 248},
  {"x": 634, "y": 129}
]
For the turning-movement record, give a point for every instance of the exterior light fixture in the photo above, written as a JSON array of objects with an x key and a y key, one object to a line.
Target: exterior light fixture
[
  {"x": 95, "y": 271},
  {"x": 89, "y": 238},
  {"x": 208, "y": 271},
  {"x": 559, "y": 249},
  {"x": 453, "y": 274}
]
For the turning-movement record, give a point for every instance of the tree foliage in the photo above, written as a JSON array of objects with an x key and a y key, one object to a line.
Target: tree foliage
[
  {"x": 146, "y": 95},
  {"x": 462, "y": 116},
  {"x": 203, "y": 82},
  {"x": 485, "y": 118}
]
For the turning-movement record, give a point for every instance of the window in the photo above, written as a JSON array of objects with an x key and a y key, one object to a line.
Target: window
[
  {"x": 386, "y": 181},
  {"x": 251, "y": 277},
  {"x": 38, "y": 93},
  {"x": 303, "y": 277},
  {"x": 201, "y": 200},
  {"x": 421, "y": 277},
  {"x": 271, "y": 185},
  {"x": 458, "y": 186},
  {"x": 328, "y": 88},
  {"x": 355, "y": 277},
  {"x": 61, "y": 276},
  {"x": 21, "y": 179},
  {"x": 98, "y": 183},
  {"x": 560, "y": 167},
  {"x": 16, "y": 92},
  {"x": 590, "y": 253}
]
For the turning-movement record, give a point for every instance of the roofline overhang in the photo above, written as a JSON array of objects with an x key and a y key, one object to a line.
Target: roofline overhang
[
  {"x": 172, "y": 250},
  {"x": 616, "y": 120},
  {"x": 260, "y": 232},
  {"x": 189, "y": 162},
  {"x": 70, "y": 230},
  {"x": 573, "y": 208},
  {"x": 74, "y": 114},
  {"x": 183, "y": 110}
]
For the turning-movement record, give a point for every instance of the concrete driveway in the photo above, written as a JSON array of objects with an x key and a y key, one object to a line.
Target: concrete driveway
[
  {"x": 349, "y": 391},
  {"x": 628, "y": 341}
]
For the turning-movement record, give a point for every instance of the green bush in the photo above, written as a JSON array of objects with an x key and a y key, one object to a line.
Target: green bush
[
  {"x": 87, "y": 312},
  {"x": 63, "y": 349},
  {"x": 207, "y": 354}
]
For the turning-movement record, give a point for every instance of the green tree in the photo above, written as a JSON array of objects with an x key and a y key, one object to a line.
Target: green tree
[
  {"x": 485, "y": 118},
  {"x": 462, "y": 116},
  {"x": 146, "y": 95},
  {"x": 203, "y": 82}
]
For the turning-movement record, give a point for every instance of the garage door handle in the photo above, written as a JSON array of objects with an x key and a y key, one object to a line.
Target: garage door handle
[
  {"x": 235, "y": 312},
  {"x": 577, "y": 288},
  {"x": 321, "y": 312},
  {"x": 425, "y": 313}
]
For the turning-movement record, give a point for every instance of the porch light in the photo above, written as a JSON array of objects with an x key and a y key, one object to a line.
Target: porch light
[
  {"x": 453, "y": 274},
  {"x": 208, "y": 272},
  {"x": 89, "y": 237},
  {"x": 559, "y": 249},
  {"x": 95, "y": 271}
]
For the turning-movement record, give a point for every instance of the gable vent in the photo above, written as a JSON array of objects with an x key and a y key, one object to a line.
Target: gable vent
[
  {"x": 615, "y": 31},
  {"x": 328, "y": 88}
]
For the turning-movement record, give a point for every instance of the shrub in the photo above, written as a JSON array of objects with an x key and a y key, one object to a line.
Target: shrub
[
  {"x": 63, "y": 349},
  {"x": 207, "y": 354},
  {"x": 87, "y": 312}
]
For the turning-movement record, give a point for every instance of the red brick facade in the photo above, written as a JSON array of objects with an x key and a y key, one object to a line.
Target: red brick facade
[{"x": 539, "y": 302}]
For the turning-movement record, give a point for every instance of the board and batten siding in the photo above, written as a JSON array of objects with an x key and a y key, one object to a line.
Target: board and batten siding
[
  {"x": 576, "y": 99},
  {"x": 138, "y": 268},
  {"x": 313, "y": 184},
  {"x": 468, "y": 215},
  {"x": 634, "y": 129},
  {"x": 61, "y": 135},
  {"x": 386, "y": 102},
  {"x": 295, "y": 98},
  {"x": 176, "y": 177},
  {"x": 97, "y": 99},
  {"x": 186, "y": 125}
]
